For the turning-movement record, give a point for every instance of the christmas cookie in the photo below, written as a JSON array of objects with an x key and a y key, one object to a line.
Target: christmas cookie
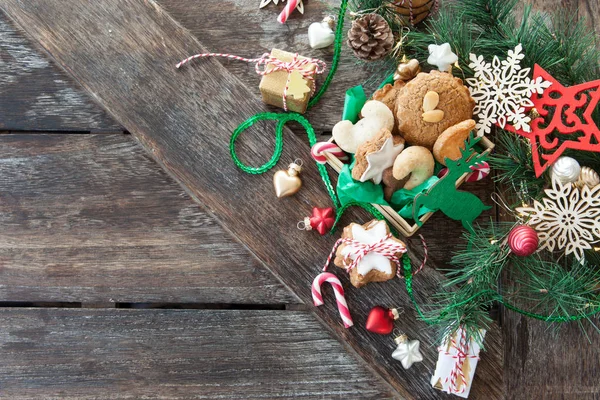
[
  {"x": 376, "y": 116},
  {"x": 390, "y": 184},
  {"x": 416, "y": 161},
  {"x": 373, "y": 267},
  {"x": 421, "y": 126},
  {"x": 452, "y": 140},
  {"x": 376, "y": 155},
  {"x": 388, "y": 94}
]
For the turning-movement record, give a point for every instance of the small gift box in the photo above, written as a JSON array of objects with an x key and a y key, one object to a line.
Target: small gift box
[
  {"x": 288, "y": 81},
  {"x": 457, "y": 361}
]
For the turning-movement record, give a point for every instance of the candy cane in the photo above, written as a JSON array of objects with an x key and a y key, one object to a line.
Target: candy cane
[
  {"x": 319, "y": 149},
  {"x": 480, "y": 171},
  {"x": 339, "y": 295},
  {"x": 287, "y": 10}
]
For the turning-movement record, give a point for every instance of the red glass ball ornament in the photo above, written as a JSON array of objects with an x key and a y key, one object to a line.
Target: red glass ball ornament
[
  {"x": 381, "y": 320},
  {"x": 523, "y": 240},
  {"x": 322, "y": 219}
]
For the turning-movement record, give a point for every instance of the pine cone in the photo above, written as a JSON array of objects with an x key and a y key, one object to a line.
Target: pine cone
[{"x": 370, "y": 37}]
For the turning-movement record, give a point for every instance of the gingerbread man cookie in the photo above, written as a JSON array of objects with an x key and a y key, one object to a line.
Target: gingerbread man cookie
[
  {"x": 373, "y": 267},
  {"x": 429, "y": 104},
  {"x": 376, "y": 155}
]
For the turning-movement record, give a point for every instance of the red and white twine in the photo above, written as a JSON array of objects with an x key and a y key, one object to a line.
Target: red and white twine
[
  {"x": 339, "y": 295},
  {"x": 462, "y": 353},
  {"x": 388, "y": 250},
  {"x": 272, "y": 64}
]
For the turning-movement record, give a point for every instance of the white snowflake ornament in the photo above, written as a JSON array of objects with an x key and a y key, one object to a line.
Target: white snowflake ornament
[
  {"x": 502, "y": 91},
  {"x": 441, "y": 56},
  {"x": 567, "y": 218}
]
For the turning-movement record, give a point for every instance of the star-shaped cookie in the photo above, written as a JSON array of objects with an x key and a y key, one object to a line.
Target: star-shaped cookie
[
  {"x": 373, "y": 267},
  {"x": 376, "y": 155}
]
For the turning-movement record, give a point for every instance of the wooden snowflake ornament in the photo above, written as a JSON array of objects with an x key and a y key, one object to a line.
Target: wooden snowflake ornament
[
  {"x": 567, "y": 218},
  {"x": 502, "y": 91}
]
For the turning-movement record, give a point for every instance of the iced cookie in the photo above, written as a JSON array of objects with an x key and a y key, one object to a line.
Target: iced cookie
[
  {"x": 373, "y": 267},
  {"x": 376, "y": 155},
  {"x": 416, "y": 161},
  {"x": 418, "y": 122},
  {"x": 376, "y": 116},
  {"x": 452, "y": 140}
]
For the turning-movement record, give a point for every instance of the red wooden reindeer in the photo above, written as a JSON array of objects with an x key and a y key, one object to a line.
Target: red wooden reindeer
[{"x": 443, "y": 196}]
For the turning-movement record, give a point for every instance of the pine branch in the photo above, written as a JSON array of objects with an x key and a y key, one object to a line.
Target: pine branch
[
  {"x": 514, "y": 166},
  {"x": 556, "y": 290}
]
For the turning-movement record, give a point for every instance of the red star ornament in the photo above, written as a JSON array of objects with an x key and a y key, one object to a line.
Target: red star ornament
[
  {"x": 557, "y": 107},
  {"x": 322, "y": 219}
]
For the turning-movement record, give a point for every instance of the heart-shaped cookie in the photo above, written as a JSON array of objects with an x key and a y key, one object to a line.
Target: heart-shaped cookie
[{"x": 376, "y": 116}]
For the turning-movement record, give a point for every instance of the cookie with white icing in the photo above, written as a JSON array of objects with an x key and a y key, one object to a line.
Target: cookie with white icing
[
  {"x": 373, "y": 267},
  {"x": 375, "y": 156}
]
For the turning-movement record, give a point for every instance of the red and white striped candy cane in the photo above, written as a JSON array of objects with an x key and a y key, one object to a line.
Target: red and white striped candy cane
[
  {"x": 319, "y": 149},
  {"x": 339, "y": 295},
  {"x": 287, "y": 10},
  {"x": 480, "y": 171}
]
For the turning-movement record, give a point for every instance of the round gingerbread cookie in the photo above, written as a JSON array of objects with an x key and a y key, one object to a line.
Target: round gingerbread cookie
[{"x": 422, "y": 127}]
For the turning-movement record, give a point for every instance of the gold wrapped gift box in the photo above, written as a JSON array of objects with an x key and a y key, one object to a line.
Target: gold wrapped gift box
[{"x": 273, "y": 84}]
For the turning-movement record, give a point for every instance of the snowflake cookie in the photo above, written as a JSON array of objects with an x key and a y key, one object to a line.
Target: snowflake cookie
[{"x": 502, "y": 91}]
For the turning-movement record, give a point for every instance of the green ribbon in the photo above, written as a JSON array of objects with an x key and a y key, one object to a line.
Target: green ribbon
[
  {"x": 353, "y": 103},
  {"x": 350, "y": 190}
]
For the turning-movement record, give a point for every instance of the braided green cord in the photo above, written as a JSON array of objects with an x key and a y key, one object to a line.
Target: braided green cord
[
  {"x": 337, "y": 46},
  {"x": 283, "y": 118}
]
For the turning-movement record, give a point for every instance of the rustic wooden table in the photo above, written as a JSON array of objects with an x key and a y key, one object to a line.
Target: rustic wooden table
[{"x": 136, "y": 261}]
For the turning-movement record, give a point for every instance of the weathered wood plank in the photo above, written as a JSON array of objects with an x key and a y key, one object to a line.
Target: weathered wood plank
[
  {"x": 90, "y": 218},
  {"x": 175, "y": 354},
  {"x": 184, "y": 118},
  {"x": 240, "y": 27},
  {"x": 37, "y": 95}
]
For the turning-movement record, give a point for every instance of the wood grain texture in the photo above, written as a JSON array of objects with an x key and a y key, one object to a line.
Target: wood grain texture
[
  {"x": 37, "y": 95},
  {"x": 240, "y": 27},
  {"x": 175, "y": 354},
  {"x": 90, "y": 218},
  {"x": 124, "y": 52}
]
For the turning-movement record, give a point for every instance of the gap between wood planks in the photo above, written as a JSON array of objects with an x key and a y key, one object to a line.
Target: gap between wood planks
[{"x": 162, "y": 306}]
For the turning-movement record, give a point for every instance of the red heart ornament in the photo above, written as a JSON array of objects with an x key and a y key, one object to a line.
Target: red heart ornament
[{"x": 381, "y": 320}]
